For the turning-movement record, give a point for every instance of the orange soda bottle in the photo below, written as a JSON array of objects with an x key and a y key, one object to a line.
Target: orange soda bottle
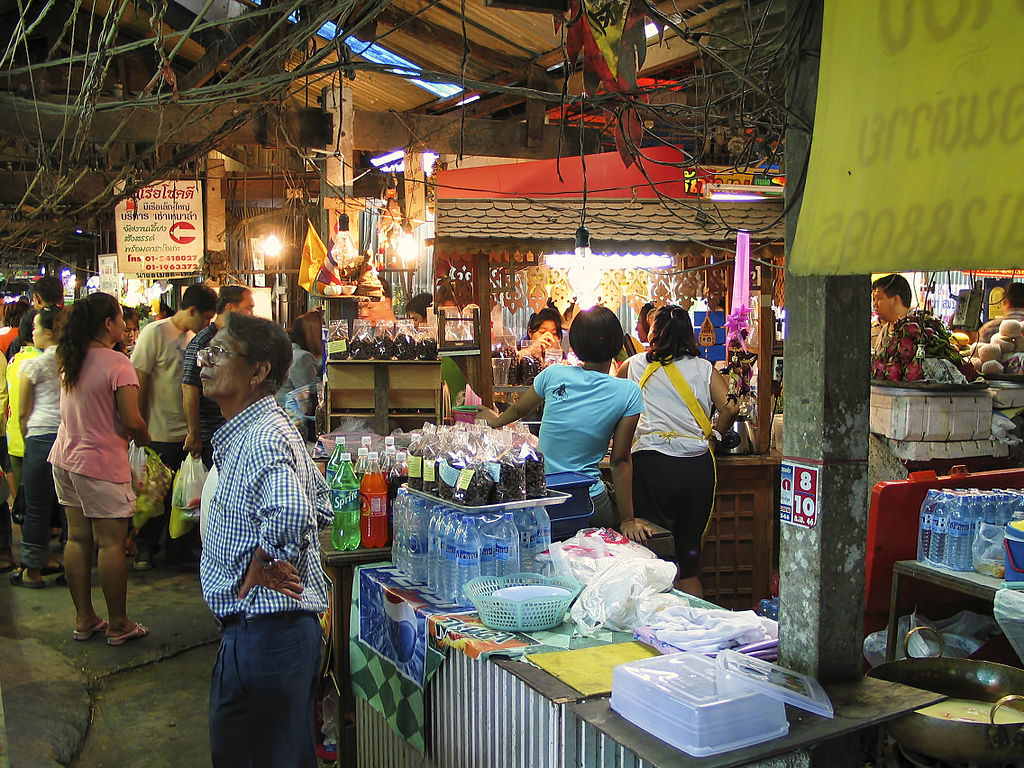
[{"x": 373, "y": 504}]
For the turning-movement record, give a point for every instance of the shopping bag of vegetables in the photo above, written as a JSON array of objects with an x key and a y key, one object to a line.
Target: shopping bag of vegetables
[
  {"x": 185, "y": 498},
  {"x": 149, "y": 497}
]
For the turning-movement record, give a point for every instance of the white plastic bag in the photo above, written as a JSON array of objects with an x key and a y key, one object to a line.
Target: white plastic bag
[
  {"x": 613, "y": 597},
  {"x": 188, "y": 483},
  {"x": 137, "y": 462},
  {"x": 989, "y": 559},
  {"x": 591, "y": 550}
]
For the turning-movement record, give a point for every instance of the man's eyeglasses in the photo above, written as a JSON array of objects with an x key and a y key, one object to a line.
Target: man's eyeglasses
[{"x": 214, "y": 355}]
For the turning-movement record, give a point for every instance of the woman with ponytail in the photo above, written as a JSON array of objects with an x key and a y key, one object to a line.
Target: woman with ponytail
[
  {"x": 687, "y": 407},
  {"x": 99, "y": 413}
]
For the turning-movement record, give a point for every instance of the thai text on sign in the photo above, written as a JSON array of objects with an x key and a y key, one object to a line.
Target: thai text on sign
[{"x": 160, "y": 229}]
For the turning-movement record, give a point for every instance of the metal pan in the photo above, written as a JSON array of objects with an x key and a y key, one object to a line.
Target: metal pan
[{"x": 996, "y": 684}]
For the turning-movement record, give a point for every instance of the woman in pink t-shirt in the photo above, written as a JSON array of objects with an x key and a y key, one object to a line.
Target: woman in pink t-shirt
[{"x": 99, "y": 413}]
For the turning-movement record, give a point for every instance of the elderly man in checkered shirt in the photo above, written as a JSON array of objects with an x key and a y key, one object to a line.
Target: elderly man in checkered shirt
[{"x": 260, "y": 568}]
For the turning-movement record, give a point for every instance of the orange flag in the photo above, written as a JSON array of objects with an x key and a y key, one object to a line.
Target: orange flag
[{"x": 313, "y": 254}]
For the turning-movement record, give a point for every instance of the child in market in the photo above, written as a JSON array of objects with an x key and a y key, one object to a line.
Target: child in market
[{"x": 584, "y": 409}]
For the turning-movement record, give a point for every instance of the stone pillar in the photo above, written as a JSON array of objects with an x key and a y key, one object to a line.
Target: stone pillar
[{"x": 826, "y": 428}]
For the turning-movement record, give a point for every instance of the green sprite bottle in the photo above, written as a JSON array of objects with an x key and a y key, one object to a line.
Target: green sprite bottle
[{"x": 345, "y": 503}]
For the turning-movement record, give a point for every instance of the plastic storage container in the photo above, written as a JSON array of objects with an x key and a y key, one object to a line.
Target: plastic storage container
[
  {"x": 907, "y": 414},
  {"x": 678, "y": 698},
  {"x": 575, "y": 513},
  {"x": 704, "y": 706}
]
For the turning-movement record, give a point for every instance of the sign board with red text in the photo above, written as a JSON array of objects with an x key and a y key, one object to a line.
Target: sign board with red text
[
  {"x": 798, "y": 496},
  {"x": 160, "y": 230}
]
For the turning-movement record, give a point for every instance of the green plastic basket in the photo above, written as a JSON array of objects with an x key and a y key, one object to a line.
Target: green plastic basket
[{"x": 520, "y": 615}]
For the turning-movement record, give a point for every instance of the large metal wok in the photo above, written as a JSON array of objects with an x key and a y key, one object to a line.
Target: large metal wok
[{"x": 951, "y": 740}]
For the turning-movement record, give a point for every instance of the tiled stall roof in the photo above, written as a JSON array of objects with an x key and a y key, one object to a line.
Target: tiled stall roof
[{"x": 617, "y": 221}]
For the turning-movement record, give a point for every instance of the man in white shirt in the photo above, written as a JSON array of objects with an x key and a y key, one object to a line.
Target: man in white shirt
[{"x": 159, "y": 360}]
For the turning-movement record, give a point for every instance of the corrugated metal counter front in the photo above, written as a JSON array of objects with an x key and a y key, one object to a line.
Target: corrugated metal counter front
[{"x": 500, "y": 713}]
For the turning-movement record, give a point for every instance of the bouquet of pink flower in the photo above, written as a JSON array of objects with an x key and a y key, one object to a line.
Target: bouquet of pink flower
[{"x": 917, "y": 336}]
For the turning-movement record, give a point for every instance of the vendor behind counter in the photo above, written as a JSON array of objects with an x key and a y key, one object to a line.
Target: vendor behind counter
[{"x": 584, "y": 409}]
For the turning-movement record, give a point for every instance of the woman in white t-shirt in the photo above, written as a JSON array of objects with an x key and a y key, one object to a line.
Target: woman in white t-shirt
[
  {"x": 673, "y": 465},
  {"x": 39, "y": 416}
]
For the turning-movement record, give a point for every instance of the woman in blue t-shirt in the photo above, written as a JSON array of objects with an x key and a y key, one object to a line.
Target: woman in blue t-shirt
[{"x": 584, "y": 409}]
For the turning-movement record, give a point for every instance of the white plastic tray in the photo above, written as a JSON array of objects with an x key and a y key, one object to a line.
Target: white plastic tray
[{"x": 553, "y": 497}]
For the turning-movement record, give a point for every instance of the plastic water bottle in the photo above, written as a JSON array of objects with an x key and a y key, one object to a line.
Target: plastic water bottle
[
  {"x": 940, "y": 526},
  {"x": 335, "y": 462},
  {"x": 486, "y": 525},
  {"x": 467, "y": 557},
  {"x": 540, "y": 515},
  {"x": 924, "y": 535},
  {"x": 400, "y": 534},
  {"x": 373, "y": 497},
  {"x": 506, "y": 546},
  {"x": 450, "y": 562},
  {"x": 526, "y": 524},
  {"x": 417, "y": 517},
  {"x": 960, "y": 535},
  {"x": 344, "y": 491},
  {"x": 435, "y": 549}
]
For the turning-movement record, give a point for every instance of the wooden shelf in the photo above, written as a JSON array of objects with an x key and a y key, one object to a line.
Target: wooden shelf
[{"x": 383, "y": 389}]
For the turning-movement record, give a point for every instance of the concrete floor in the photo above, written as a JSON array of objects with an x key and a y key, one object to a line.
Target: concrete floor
[{"x": 87, "y": 704}]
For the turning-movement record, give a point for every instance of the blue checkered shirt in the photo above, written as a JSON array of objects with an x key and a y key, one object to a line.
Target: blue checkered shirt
[
  {"x": 210, "y": 417},
  {"x": 269, "y": 493}
]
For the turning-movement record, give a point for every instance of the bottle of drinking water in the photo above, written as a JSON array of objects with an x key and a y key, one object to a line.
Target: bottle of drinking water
[
  {"x": 486, "y": 525},
  {"x": 400, "y": 534},
  {"x": 467, "y": 557},
  {"x": 450, "y": 530},
  {"x": 526, "y": 524},
  {"x": 960, "y": 535},
  {"x": 417, "y": 517},
  {"x": 940, "y": 526},
  {"x": 540, "y": 515},
  {"x": 924, "y": 535},
  {"x": 506, "y": 546},
  {"x": 435, "y": 549}
]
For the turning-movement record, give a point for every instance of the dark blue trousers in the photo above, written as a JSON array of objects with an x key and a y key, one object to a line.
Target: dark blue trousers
[{"x": 261, "y": 694}]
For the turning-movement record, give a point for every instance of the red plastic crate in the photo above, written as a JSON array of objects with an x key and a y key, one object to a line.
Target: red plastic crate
[{"x": 893, "y": 519}]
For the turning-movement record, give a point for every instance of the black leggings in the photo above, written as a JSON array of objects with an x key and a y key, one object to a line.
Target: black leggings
[{"x": 677, "y": 493}]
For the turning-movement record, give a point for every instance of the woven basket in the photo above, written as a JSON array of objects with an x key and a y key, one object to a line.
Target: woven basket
[{"x": 520, "y": 615}]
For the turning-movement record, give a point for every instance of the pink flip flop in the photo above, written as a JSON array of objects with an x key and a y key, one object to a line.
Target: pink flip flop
[
  {"x": 135, "y": 632},
  {"x": 85, "y": 634}
]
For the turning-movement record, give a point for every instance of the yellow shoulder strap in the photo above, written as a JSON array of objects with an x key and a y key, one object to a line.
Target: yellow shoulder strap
[{"x": 685, "y": 391}]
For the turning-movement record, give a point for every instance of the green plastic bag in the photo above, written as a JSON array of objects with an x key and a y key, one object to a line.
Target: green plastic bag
[{"x": 149, "y": 499}]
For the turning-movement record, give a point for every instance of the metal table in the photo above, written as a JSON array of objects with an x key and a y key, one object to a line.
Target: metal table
[{"x": 965, "y": 582}]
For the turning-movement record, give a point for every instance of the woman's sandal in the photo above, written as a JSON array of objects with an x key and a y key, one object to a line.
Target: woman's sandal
[
  {"x": 137, "y": 631},
  {"x": 85, "y": 634}
]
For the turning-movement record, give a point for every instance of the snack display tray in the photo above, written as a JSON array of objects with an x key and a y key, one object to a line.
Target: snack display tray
[{"x": 553, "y": 497}]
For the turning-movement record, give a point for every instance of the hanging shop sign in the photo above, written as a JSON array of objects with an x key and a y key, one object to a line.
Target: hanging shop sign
[
  {"x": 109, "y": 280},
  {"x": 160, "y": 229},
  {"x": 912, "y": 126},
  {"x": 799, "y": 494}
]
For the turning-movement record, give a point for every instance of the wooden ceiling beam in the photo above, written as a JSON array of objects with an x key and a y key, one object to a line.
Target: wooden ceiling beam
[
  {"x": 407, "y": 24},
  {"x": 173, "y": 124},
  {"x": 450, "y": 134}
]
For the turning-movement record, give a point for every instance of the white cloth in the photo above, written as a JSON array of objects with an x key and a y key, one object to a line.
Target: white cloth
[
  {"x": 665, "y": 411},
  {"x": 1008, "y": 608},
  {"x": 707, "y": 630}
]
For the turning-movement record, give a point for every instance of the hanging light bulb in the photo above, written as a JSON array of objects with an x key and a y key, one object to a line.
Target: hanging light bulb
[
  {"x": 344, "y": 251},
  {"x": 271, "y": 246},
  {"x": 584, "y": 275}
]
